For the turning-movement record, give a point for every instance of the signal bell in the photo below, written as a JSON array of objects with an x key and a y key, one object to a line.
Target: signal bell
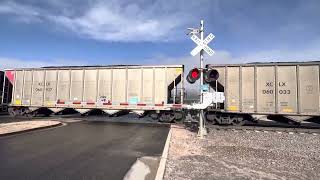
[{"x": 193, "y": 75}]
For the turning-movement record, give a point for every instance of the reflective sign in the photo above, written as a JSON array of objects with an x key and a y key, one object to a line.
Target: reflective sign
[{"x": 202, "y": 44}]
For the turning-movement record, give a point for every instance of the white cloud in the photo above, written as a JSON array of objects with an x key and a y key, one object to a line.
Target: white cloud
[
  {"x": 310, "y": 52},
  {"x": 17, "y": 9},
  {"x": 23, "y": 13},
  {"x": 109, "y": 20}
]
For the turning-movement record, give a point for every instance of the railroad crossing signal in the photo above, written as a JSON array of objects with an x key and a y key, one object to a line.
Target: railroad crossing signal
[
  {"x": 193, "y": 76},
  {"x": 202, "y": 44}
]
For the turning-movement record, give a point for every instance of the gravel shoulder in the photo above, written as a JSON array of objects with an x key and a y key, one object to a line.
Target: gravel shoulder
[
  {"x": 15, "y": 127},
  {"x": 242, "y": 155}
]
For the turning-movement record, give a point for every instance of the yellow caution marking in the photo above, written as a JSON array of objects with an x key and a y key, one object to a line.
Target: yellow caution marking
[
  {"x": 18, "y": 102},
  {"x": 287, "y": 110},
  {"x": 178, "y": 70},
  {"x": 233, "y": 108},
  {"x": 50, "y": 103}
]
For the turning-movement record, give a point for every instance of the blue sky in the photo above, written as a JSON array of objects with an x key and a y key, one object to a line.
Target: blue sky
[{"x": 101, "y": 32}]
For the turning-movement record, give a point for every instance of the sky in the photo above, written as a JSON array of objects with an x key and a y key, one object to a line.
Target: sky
[{"x": 35, "y": 33}]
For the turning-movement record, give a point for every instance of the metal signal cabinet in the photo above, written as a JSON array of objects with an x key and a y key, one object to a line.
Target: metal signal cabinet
[
  {"x": 269, "y": 88},
  {"x": 99, "y": 87}
]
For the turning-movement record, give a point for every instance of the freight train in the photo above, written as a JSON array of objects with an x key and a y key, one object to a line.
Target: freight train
[{"x": 235, "y": 93}]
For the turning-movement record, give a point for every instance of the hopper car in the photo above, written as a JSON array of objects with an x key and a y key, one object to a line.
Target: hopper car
[
  {"x": 287, "y": 90},
  {"x": 112, "y": 89},
  {"x": 236, "y": 93}
]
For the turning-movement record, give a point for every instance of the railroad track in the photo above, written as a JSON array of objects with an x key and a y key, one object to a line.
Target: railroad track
[
  {"x": 260, "y": 126},
  {"x": 268, "y": 126}
]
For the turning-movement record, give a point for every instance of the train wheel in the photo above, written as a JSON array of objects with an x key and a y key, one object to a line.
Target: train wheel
[
  {"x": 154, "y": 116},
  {"x": 29, "y": 114},
  {"x": 166, "y": 117},
  {"x": 178, "y": 116},
  {"x": 13, "y": 112},
  {"x": 210, "y": 118},
  {"x": 238, "y": 121}
]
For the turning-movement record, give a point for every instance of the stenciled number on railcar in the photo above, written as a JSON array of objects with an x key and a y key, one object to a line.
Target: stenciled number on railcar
[
  {"x": 43, "y": 84},
  {"x": 269, "y": 91},
  {"x": 286, "y": 91},
  {"x": 280, "y": 84}
]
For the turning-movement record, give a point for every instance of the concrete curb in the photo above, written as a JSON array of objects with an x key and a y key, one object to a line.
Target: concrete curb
[
  {"x": 32, "y": 129},
  {"x": 164, "y": 157}
]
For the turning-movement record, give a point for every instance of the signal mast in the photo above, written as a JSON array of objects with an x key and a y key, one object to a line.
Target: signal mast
[{"x": 193, "y": 75}]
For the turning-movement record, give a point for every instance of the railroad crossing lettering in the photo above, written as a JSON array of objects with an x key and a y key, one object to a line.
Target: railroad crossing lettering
[{"x": 202, "y": 44}]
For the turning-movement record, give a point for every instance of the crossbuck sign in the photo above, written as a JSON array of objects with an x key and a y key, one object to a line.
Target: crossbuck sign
[{"x": 202, "y": 44}]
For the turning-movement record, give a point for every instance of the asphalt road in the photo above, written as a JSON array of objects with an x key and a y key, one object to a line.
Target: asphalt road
[{"x": 80, "y": 150}]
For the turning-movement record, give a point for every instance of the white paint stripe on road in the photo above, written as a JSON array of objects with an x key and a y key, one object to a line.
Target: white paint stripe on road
[
  {"x": 163, "y": 160},
  {"x": 138, "y": 171}
]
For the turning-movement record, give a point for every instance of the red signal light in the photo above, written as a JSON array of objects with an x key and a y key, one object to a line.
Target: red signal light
[{"x": 193, "y": 75}]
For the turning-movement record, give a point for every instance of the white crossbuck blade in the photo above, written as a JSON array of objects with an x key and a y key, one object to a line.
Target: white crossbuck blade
[{"x": 202, "y": 45}]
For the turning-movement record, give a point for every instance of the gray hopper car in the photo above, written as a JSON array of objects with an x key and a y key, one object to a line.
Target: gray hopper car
[
  {"x": 290, "y": 90},
  {"x": 108, "y": 88}
]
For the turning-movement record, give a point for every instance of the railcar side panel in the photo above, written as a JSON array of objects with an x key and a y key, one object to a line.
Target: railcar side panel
[
  {"x": 148, "y": 86},
  {"x": 76, "y": 90},
  {"x": 27, "y": 90},
  {"x": 160, "y": 90},
  {"x": 105, "y": 85},
  {"x": 247, "y": 89},
  {"x": 50, "y": 94},
  {"x": 18, "y": 87},
  {"x": 309, "y": 89},
  {"x": 233, "y": 89},
  {"x": 90, "y": 86},
  {"x": 37, "y": 88},
  {"x": 287, "y": 89},
  {"x": 265, "y": 89},
  {"x": 63, "y": 90},
  {"x": 119, "y": 86}
]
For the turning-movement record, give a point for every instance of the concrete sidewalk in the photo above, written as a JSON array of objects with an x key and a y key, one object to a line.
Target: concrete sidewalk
[{"x": 23, "y": 126}]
